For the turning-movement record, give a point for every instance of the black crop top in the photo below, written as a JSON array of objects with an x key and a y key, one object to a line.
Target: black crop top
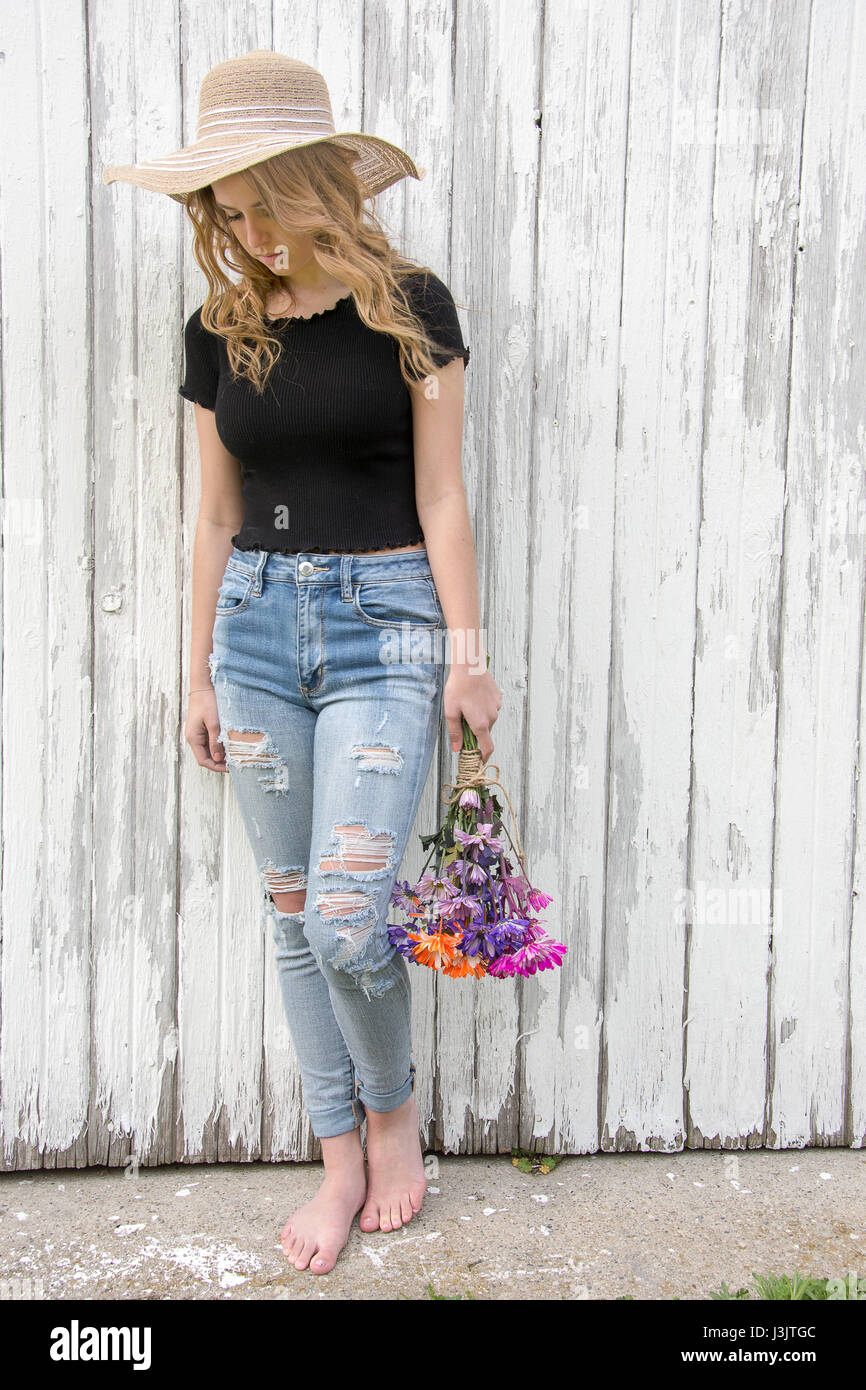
[{"x": 326, "y": 452}]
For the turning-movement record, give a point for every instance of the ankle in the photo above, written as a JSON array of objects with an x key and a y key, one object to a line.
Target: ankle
[
  {"x": 342, "y": 1155},
  {"x": 382, "y": 1119}
]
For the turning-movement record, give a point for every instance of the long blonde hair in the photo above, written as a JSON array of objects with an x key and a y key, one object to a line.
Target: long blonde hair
[{"x": 313, "y": 191}]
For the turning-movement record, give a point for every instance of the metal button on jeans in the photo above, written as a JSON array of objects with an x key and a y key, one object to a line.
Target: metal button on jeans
[{"x": 305, "y": 567}]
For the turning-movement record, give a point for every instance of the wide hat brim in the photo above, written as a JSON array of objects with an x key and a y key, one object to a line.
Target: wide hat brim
[{"x": 378, "y": 164}]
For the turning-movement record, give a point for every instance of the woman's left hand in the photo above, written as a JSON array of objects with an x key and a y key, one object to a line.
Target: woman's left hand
[{"x": 474, "y": 696}]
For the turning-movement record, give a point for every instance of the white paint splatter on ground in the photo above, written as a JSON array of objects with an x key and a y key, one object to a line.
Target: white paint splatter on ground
[{"x": 219, "y": 1263}]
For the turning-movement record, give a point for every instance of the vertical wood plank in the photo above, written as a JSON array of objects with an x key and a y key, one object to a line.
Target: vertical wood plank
[
  {"x": 755, "y": 138},
  {"x": 580, "y": 217},
  {"x": 497, "y": 51},
  {"x": 822, "y": 610},
  {"x": 432, "y": 233},
  {"x": 653, "y": 629},
  {"x": 223, "y": 939},
  {"x": 45, "y": 1043},
  {"x": 857, "y": 966},
  {"x": 137, "y": 607}
]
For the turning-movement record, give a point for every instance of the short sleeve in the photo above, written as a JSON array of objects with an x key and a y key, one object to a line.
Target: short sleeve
[
  {"x": 201, "y": 362},
  {"x": 432, "y": 301}
]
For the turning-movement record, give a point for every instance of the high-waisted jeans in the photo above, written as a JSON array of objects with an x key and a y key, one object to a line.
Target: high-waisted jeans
[{"x": 329, "y": 674}]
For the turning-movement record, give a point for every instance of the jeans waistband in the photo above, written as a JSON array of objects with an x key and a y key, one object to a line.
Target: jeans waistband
[{"x": 313, "y": 567}]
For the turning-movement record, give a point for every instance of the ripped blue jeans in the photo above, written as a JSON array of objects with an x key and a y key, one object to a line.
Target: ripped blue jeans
[{"x": 329, "y": 673}]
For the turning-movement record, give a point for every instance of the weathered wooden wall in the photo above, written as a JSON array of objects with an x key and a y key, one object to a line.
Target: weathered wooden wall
[{"x": 652, "y": 217}]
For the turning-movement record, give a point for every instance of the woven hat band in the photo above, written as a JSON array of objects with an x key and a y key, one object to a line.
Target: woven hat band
[{"x": 278, "y": 120}]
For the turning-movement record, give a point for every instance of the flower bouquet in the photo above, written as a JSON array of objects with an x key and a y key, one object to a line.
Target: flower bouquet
[{"x": 471, "y": 913}]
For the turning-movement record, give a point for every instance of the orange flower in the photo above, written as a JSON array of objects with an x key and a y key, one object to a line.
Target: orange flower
[
  {"x": 462, "y": 966},
  {"x": 432, "y": 949}
]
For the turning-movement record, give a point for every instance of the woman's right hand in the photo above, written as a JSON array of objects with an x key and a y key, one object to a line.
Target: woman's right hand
[{"x": 202, "y": 730}]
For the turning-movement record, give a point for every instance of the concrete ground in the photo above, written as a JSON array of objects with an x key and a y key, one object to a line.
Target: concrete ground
[{"x": 655, "y": 1226}]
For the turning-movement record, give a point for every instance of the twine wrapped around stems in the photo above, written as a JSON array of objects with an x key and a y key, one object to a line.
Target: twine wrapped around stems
[{"x": 471, "y": 772}]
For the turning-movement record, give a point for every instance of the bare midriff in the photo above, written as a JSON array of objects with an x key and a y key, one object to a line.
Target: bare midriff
[{"x": 391, "y": 550}]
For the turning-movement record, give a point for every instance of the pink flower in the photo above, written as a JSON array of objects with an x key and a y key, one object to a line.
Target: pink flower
[
  {"x": 502, "y": 967},
  {"x": 537, "y": 899},
  {"x": 541, "y": 954}
]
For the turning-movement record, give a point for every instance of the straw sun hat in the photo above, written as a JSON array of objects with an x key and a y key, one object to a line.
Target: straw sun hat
[{"x": 251, "y": 108}]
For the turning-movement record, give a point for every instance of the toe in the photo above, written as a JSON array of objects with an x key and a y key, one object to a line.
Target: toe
[
  {"x": 369, "y": 1219},
  {"x": 406, "y": 1208},
  {"x": 302, "y": 1257},
  {"x": 396, "y": 1218},
  {"x": 323, "y": 1261}
]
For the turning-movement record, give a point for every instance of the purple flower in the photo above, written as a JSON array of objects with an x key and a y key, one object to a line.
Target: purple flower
[
  {"x": 462, "y": 904},
  {"x": 431, "y": 886},
  {"x": 455, "y": 912},
  {"x": 484, "y": 938},
  {"x": 398, "y": 938},
  {"x": 470, "y": 871},
  {"x": 401, "y": 894},
  {"x": 480, "y": 839}
]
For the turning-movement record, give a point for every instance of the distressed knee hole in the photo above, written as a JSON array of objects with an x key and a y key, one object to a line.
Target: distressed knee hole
[
  {"x": 289, "y": 902},
  {"x": 253, "y": 748},
  {"x": 359, "y": 850},
  {"x": 357, "y": 914},
  {"x": 286, "y": 887},
  {"x": 344, "y": 903},
  {"x": 380, "y": 757}
]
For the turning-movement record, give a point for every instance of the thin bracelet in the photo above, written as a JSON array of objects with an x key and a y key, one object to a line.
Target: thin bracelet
[{"x": 199, "y": 690}]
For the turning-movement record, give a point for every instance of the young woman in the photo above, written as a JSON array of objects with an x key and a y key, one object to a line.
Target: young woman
[{"x": 334, "y": 573}]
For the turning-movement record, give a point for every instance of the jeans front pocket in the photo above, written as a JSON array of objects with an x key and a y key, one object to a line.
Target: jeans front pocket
[
  {"x": 235, "y": 591},
  {"x": 391, "y": 602}
]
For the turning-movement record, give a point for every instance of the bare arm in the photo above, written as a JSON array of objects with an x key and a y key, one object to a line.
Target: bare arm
[
  {"x": 440, "y": 499},
  {"x": 219, "y": 518}
]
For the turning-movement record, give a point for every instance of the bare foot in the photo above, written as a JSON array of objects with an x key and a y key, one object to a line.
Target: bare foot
[
  {"x": 315, "y": 1234},
  {"x": 397, "y": 1180}
]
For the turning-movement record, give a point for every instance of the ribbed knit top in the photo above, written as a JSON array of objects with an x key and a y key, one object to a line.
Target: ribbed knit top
[{"x": 326, "y": 452}]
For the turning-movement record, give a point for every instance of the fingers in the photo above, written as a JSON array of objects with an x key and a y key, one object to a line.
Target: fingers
[
  {"x": 217, "y": 752},
  {"x": 478, "y": 706},
  {"x": 455, "y": 731},
  {"x": 208, "y": 753},
  {"x": 485, "y": 742}
]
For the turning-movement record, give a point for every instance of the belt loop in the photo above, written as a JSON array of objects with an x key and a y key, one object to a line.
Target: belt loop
[
  {"x": 260, "y": 564},
  {"x": 346, "y": 577}
]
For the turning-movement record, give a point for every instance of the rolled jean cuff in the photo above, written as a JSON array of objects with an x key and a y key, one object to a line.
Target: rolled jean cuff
[
  {"x": 391, "y": 1100},
  {"x": 327, "y": 1124}
]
